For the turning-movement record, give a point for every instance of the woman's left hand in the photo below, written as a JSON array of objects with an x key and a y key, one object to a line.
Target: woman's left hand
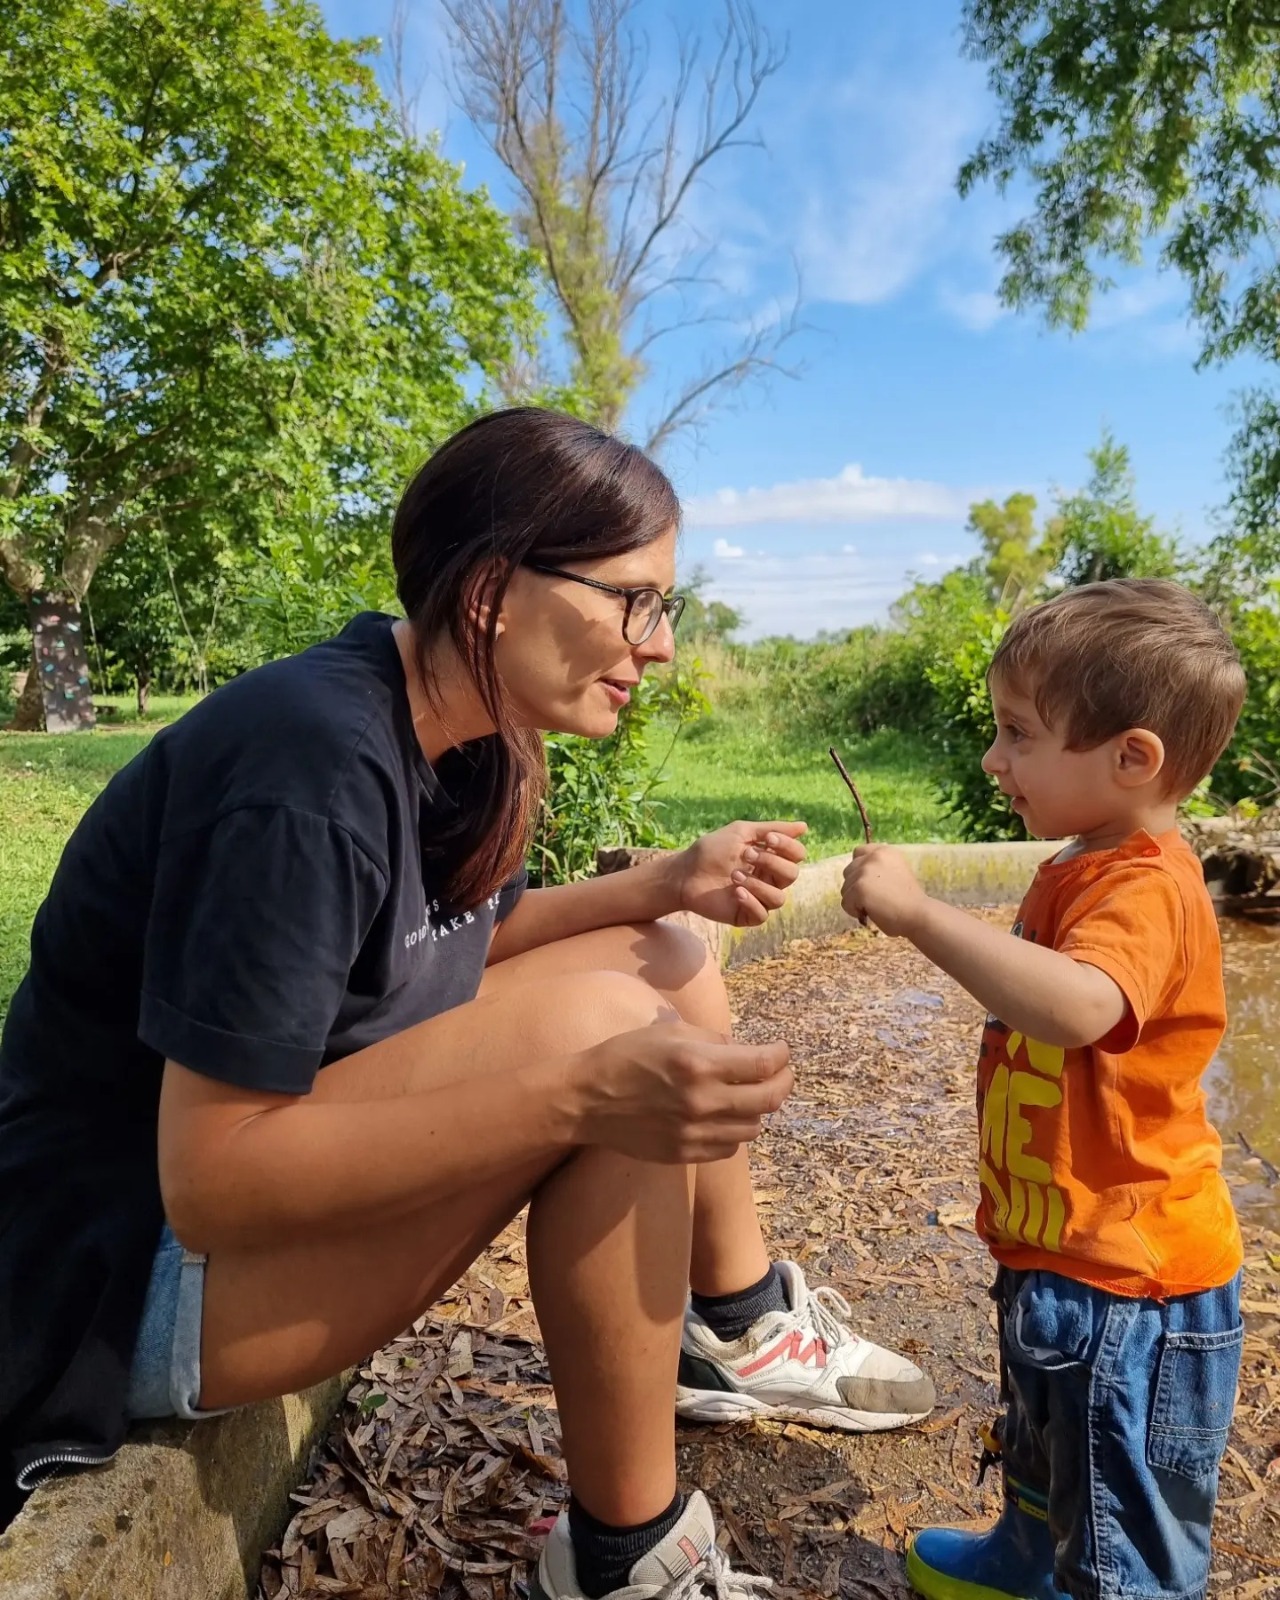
[{"x": 741, "y": 873}]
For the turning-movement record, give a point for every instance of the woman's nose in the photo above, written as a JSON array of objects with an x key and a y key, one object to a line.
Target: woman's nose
[{"x": 660, "y": 646}]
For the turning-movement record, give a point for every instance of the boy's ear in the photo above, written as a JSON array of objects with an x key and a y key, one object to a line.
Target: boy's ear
[{"x": 1139, "y": 757}]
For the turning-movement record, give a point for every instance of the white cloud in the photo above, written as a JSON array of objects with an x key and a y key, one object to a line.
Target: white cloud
[
  {"x": 726, "y": 551},
  {"x": 1151, "y": 291},
  {"x": 851, "y": 496},
  {"x": 928, "y": 559},
  {"x": 886, "y": 209},
  {"x": 975, "y": 309},
  {"x": 806, "y": 593}
]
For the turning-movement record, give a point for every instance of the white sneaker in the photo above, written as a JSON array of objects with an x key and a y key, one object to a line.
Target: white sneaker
[
  {"x": 803, "y": 1365},
  {"x": 683, "y": 1565}
]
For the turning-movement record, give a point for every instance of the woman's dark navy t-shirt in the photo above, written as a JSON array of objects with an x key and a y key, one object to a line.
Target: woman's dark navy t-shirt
[{"x": 254, "y": 896}]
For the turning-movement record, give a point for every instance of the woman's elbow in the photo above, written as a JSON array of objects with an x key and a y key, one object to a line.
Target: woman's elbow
[{"x": 202, "y": 1205}]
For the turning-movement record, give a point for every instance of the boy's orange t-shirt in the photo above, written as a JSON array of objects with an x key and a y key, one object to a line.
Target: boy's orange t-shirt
[{"x": 1100, "y": 1163}]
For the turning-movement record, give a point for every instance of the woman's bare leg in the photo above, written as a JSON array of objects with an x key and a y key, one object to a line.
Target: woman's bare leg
[
  {"x": 608, "y": 1254},
  {"x": 728, "y": 1251}
]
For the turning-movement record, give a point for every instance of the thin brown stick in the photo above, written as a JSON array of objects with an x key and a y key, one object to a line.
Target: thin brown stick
[{"x": 853, "y": 790}]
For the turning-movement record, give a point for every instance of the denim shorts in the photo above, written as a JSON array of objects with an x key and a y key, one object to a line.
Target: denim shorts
[
  {"x": 164, "y": 1380},
  {"x": 1118, "y": 1411}
]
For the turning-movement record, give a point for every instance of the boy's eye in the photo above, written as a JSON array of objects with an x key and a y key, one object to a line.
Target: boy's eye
[{"x": 1014, "y": 731}]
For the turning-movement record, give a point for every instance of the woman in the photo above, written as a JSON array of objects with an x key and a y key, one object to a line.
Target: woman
[{"x": 292, "y": 1014}]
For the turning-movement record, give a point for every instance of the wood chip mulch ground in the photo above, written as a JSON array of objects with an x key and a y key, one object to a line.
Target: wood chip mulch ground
[{"x": 443, "y": 1469}]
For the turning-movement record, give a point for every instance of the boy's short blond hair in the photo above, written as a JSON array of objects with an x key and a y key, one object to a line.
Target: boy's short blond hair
[{"x": 1129, "y": 653}]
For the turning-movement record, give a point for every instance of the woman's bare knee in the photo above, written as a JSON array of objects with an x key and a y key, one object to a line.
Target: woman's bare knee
[
  {"x": 589, "y": 1007},
  {"x": 671, "y": 957}
]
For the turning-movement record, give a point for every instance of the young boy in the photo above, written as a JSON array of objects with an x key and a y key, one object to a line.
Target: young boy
[{"x": 1102, "y": 1199}]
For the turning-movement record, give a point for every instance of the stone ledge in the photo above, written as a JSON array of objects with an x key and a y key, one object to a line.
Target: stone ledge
[{"x": 186, "y": 1510}]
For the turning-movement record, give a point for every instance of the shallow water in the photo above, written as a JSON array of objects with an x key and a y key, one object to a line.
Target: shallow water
[{"x": 1243, "y": 1084}]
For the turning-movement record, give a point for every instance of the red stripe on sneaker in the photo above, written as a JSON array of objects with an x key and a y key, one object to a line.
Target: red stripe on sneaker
[
  {"x": 690, "y": 1551},
  {"x": 790, "y": 1348},
  {"x": 781, "y": 1351}
]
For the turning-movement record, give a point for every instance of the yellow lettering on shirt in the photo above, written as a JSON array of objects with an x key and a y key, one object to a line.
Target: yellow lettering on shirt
[
  {"x": 1025, "y": 1089},
  {"x": 995, "y": 1111},
  {"x": 1026, "y": 1207},
  {"x": 1046, "y": 1058}
]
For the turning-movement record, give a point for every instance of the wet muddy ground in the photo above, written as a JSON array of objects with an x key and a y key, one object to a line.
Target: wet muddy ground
[{"x": 444, "y": 1465}]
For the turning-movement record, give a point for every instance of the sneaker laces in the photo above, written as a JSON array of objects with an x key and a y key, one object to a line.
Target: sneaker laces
[
  {"x": 831, "y": 1313},
  {"x": 715, "y": 1574}
]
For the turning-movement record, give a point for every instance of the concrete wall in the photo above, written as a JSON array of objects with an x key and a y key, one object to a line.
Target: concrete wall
[{"x": 186, "y": 1510}]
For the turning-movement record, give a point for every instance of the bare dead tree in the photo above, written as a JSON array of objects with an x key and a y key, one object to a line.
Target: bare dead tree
[
  {"x": 605, "y": 169},
  {"x": 402, "y": 85}
]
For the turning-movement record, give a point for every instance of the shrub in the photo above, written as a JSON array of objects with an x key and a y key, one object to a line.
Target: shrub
[
  {"x": 1251, "y": 766},
  {"x": 962, "y": 730}
]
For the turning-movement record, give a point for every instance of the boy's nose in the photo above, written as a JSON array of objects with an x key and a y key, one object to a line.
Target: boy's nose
[{"x": 991, "y": 761}]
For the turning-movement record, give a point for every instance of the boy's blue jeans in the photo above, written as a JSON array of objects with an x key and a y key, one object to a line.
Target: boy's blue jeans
[{"x": 1118, "y": 1411}]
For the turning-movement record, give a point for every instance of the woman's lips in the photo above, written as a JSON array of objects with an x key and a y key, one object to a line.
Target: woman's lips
[{"x": 619, "y": 693}]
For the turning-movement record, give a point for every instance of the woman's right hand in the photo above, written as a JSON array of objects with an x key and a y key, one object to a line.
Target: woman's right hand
[{"x": 679, "y": 1094}]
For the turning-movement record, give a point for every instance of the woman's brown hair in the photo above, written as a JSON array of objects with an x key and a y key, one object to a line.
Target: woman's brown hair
[{"x": 514, "y": 486}]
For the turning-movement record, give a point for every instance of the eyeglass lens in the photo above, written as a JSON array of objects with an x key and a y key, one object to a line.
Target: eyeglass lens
[
  {"x": 646, "y": 611},
  {"x": 647, "y": 608}
]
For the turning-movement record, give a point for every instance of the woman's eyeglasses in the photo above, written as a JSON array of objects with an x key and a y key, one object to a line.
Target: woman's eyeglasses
[{"x": 645, "y": 607}]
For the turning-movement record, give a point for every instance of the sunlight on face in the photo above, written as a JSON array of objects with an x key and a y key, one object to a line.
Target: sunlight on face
[
  {"x": 1057, "y": 792},
  {"x": 561, "y": 653}
]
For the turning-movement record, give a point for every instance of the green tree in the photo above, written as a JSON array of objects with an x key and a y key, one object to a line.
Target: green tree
[
  {"x": 1150, "y": 127},
  {"x": 1015, "y": 557},
  {"x": 161, "y": 613},
  {"x": 228, "y": 280},
  {"x": 1136, "y": 121},
  {"x": 1099, "y": 532},
  {"x": 704, "y": 618},
  {"x": 1246, "y": 552}
]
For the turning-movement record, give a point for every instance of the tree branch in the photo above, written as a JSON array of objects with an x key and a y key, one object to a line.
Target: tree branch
[{"x": 757, "y": 359}]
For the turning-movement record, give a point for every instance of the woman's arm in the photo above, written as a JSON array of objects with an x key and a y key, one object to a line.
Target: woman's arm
[
  {"x": 641, "y": 893},
  {"x": 738, "y": 874},
  {"x": 238, "y": 1165}
]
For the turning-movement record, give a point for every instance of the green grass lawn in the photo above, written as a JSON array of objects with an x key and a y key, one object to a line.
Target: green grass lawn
[
  {"x": 45, "y": 785},
  {"x": 731, "y": 765},
  {"x": 721, "y": 769}
]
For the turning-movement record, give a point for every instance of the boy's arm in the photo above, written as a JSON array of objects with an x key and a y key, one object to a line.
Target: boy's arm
[{"x": 1040, "y": 992}]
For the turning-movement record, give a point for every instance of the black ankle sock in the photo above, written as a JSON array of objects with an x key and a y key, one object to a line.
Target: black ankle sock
[
  {"x": 605, "y": 1555},
  {"x": 730, "y": 1315}
]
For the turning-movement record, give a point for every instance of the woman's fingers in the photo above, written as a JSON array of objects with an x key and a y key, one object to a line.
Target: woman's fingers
[
  {"x": 753, "y": 1079},
  {"x": 787, "y": 833},
  {"x": 769, "y": 895},
  {"x": 771, "y": 837}
]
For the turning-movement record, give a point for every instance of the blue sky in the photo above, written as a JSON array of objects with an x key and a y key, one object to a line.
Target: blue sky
[{"x": 812, "y": 501}]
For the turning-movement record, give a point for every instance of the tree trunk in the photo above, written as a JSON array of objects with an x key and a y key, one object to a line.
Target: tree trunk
[
  {"x": 28, "y": 714},
  {"x": 143, "y": 681},
  {"x": 61, "y": 670}
]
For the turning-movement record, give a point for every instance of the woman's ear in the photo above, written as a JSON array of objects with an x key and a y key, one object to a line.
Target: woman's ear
[
  {"x": 480, "y": 601},
  {"x": 1139, "y": 757}
]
